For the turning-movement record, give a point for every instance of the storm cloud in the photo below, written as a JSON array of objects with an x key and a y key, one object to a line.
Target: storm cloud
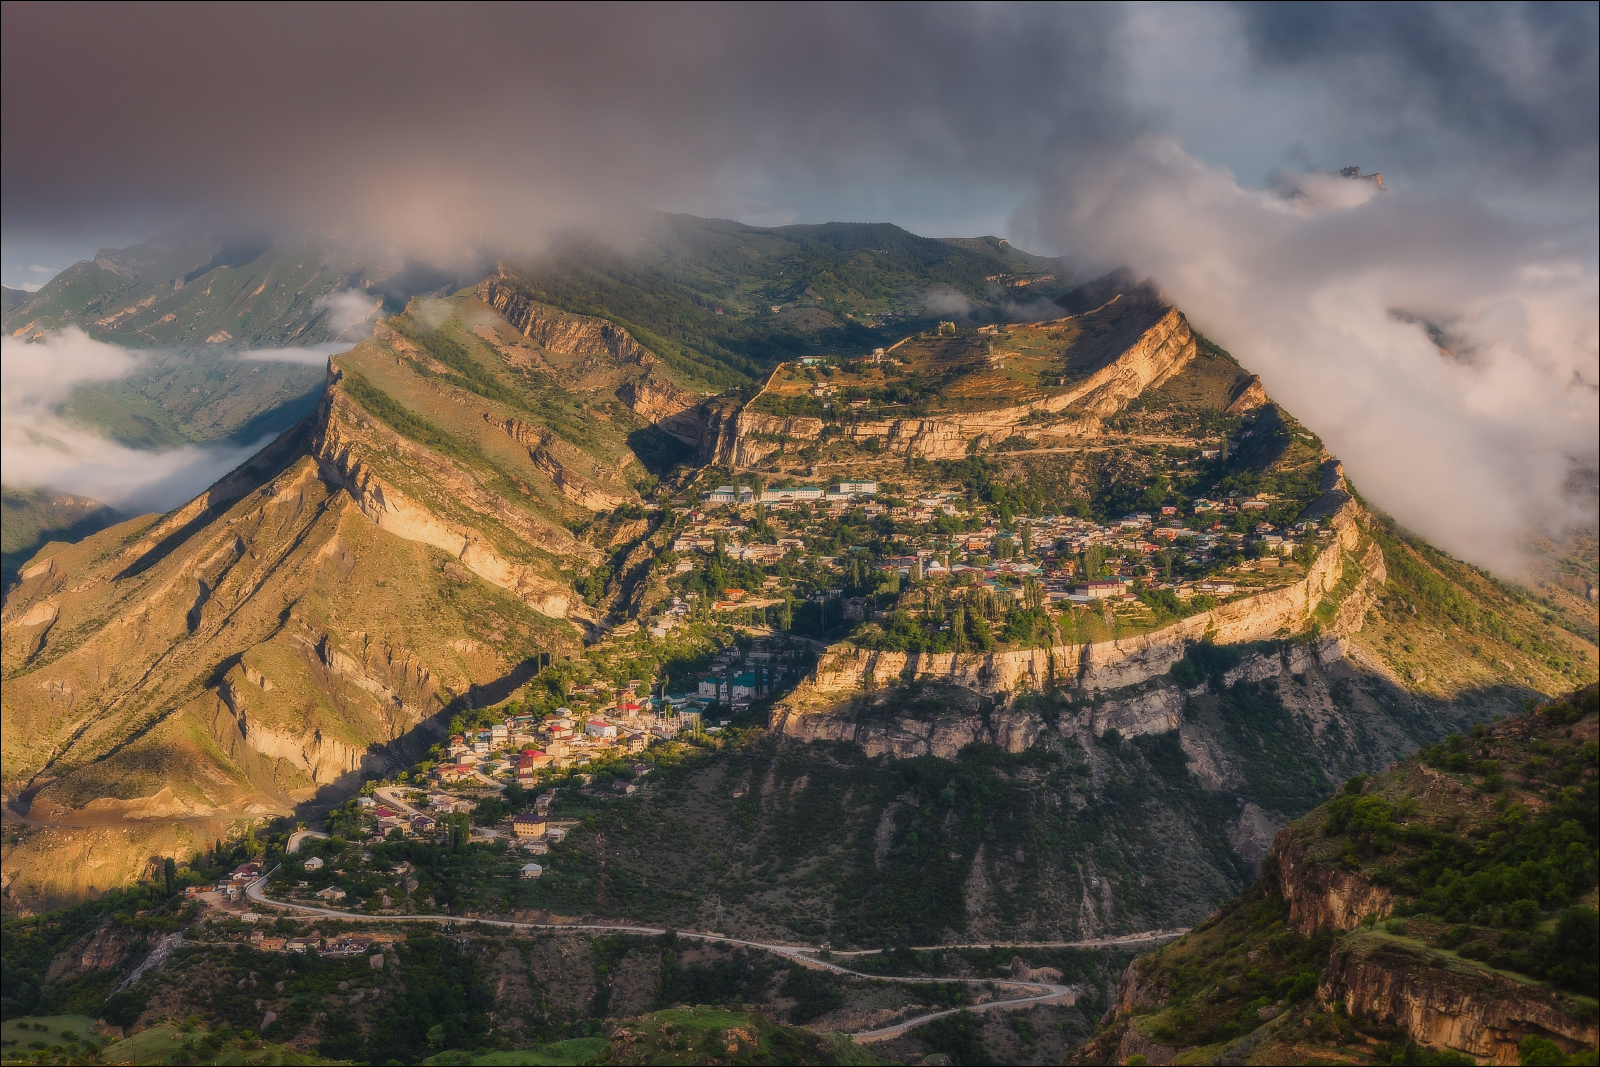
[{"x": 1161, "y": 137}]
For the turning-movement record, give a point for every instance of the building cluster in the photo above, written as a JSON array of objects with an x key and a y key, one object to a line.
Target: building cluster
[
  {"x": 843, "y": 495},
  {"x": 1049, "y": 550}
]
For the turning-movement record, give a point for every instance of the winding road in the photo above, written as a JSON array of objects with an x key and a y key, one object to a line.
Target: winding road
[{"x": 1031, "y": 992}]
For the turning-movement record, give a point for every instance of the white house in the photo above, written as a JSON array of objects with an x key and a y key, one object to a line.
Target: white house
[
  {"x": 600, "y": 728},
  {"x": 314, "y": 864},
  {"x": 531, "y": 870}
]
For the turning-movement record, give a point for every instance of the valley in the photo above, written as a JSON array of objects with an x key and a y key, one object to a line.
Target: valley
[{"x": 963, "y": 649}]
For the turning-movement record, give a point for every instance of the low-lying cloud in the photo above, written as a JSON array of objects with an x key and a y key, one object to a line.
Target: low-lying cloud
[
  {"x": 1340, "y": 295},
  {"x": 40, "y": 448}
]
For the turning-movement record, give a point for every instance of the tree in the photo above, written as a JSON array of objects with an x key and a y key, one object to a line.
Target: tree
[{"x": 170, "y": 870}]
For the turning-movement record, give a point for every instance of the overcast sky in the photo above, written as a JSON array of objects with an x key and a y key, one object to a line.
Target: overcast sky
[{"x": 1165, "y": 137}]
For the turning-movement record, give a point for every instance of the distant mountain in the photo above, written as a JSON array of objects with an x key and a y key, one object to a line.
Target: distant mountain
[
  {"x": 721, "y": 302},
  {"x": 1442, "y": 910},
  {"x": 34, "y": 518},
  {"x": 13, "y": 298}
]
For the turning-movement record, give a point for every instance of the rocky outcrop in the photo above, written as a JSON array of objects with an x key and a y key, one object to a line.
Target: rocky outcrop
[
  {"x": 664, "y": 405},
  {"x": 559, "y": 331},
  {"x": 1321, "y": 896},
  {"x": 542, "y": 449},
  {"x": 1446, "y": 1003},
  {"x": 1249, "y": 396},
  {"x": 1160, "y": 352}
]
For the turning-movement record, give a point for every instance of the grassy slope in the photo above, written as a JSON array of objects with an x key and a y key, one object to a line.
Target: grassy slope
[
  {"x": 1457, "y": 850},
  {"x": 32, "y": 518},
  {"x": 667, "y": 289}
]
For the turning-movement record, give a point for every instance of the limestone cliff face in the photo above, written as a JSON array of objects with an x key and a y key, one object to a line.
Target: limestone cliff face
[
  {"x": 846, "y": 670},
  {"x": 1321, "y": 896},
  {"x": 1469, "y": 1009},
  {"x": 1160, "y": 353},
  {"x": 559, "y": 331}
]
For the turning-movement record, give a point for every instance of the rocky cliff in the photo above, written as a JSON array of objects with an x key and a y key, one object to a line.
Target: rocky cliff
[
  {"x": 1442, "y": 976},
  {"x": 300, "y": 625},
  {"x": 1115, "y": 666},
  {"x": 1159, "y": 353}
]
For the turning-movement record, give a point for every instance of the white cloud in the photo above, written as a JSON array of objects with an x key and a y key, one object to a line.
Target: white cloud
[
  {"x": 39, "y": 448},
  {"x": 349, "y": 310},
  {"x": 1471, "y": 452},
  {"x": 311, "y": 355}
]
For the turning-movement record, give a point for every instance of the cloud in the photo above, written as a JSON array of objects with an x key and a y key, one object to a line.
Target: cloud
[
  {"x": 349, "y": 310},
  {"x": 34, "y": 268},
  {"x": 39, "y": 448},
  {"x": 311, "y": 355},
  {"x": 1330, "y": 293}
]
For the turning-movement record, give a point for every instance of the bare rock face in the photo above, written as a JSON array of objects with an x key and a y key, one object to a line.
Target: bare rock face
[
  {"x": 1469, "y": 1009},
  {"x": 560, "y": 331},
  {"x": 1322, "y": 897},
  {"x": 1251, "y": 395}
]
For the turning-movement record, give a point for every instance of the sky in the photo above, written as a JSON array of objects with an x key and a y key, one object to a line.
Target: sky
[{"x": 1194, "y": 144}]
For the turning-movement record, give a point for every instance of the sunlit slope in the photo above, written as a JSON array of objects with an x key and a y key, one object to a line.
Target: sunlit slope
[{"x": 407, "y": 549}]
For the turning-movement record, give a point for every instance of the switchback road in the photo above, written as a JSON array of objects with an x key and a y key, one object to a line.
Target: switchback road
[{"x": 1029, "y": 992}]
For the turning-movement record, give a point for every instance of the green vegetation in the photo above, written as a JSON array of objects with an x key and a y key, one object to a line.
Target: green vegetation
[
  {"x": 32, "y": 518},
  {"x": 406, "y": 422},
  {"x": 1492, "y": 859},
  {"x": 846, "y": 287}
]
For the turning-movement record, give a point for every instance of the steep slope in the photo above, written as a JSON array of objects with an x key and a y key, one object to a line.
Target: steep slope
[
  {"x": 404, "y": 552},
  {"x": 720, "y": 301},
  {"x": 1449, "y": 902}
]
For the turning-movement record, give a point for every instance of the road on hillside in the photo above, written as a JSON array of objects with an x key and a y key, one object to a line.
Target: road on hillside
[
  {"x": 300, "y": 835},
  {"x": 1143, "y": 937},
  {"x": 1032, "y": 992}
]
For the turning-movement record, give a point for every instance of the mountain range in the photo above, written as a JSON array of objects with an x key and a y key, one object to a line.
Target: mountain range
[{"x": 1107, "y": 620}]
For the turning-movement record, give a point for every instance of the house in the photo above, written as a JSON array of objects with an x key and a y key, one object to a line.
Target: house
[
  {"x": 526, "y": 826},
  {"x": 333, "y": 892},
  {"x": 365, "y": 802},
  {"x": 1253, "y": 505},
  {"x": 314, "y": 864},
  {"x": 421, "y": 824},
  {"x": 536, "y": 846},
  {"x": 744, "y": 686},
  {"x": 531, "y": 870},
  {"x": 1215, "y": 587},
  {"x": 555, "y": 835},
  {"x": 303, "y": 944},
  {"x": 599, "y": 728},
  {"x": 858, "y": 488},
  {"x": 271, "y": 944},
  {"x": 1168, "y": 509},
  {"x": 1099, "y": 588}
]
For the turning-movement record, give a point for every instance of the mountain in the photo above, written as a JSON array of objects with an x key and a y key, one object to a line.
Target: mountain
[
  {"x": 34, "y": 518},
  {"x": 474, "y": 501},
  {"x": 1442, "y": 909}
]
